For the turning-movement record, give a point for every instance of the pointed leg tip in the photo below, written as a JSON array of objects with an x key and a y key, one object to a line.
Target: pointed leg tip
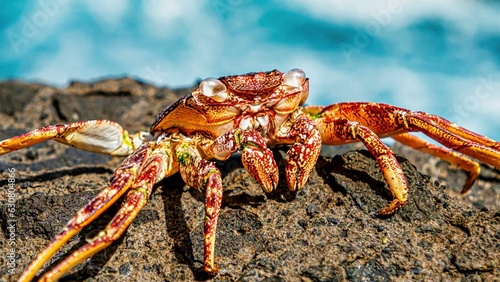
[
  {"x": 465, "y": 190},
  {"x": 468, "y": 184},
  {"x": 211, "y": 270},
  {"x": 384, "y": 212},
  {"x": 391, "y": 208}
]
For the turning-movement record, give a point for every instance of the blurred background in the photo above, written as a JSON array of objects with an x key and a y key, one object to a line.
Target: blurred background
[{"x": 441, "y": 57}]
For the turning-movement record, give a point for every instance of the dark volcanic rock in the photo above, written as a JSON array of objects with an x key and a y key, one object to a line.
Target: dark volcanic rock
[{"x": 326, "y": 232}]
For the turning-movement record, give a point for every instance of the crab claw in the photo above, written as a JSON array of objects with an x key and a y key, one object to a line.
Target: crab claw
[
  {"x": 301, "y": 160},
  {"x": 257, "y": 159},
  {"x": 99, "y": 136},
  {"x": 304, "y": 152},
  {"x": 259, "y": 162}
]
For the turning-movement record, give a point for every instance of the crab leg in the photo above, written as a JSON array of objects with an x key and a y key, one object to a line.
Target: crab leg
[
  {"x": 204, "y": 176},
  {"x": 462, "y": 132},
  {"x": 152, "y": 171},
  {"x": 304, "y": 152},
  {"x": 471, "y": 167},
  {"x": 455, "y": 137},
  {"x": 122, "y": 179},
  {"x": 138, "y": 173},
  {"x": 343, "y": 129},
  {"x": 387, "y": 120},
  {"x": 99, "y": 136}
]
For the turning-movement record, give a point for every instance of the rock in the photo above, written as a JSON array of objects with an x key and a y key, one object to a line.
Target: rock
[{"x": 326, "y": 232}]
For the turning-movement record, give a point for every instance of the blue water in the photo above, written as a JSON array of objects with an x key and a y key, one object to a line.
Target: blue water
[{"x": 441, "y": 57}]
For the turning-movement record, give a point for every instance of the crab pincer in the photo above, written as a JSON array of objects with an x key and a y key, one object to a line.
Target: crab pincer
[
  {"x": 305, "y": 147},
  {"x": 256, "y": 157}
]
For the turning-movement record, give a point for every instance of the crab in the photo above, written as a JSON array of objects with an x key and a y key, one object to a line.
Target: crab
[{"x": 250, "y": 114}]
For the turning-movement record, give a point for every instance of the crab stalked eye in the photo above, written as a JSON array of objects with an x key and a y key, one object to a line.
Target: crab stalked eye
[
  {"x": 294, "y": 77},
  {"x": 214, "y": 88}
]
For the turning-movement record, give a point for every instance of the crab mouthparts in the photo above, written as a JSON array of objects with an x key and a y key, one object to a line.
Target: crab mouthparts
[{"x": 260, "y": 122}]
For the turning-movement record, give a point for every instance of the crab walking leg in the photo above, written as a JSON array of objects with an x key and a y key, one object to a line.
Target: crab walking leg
[
  {"x": 337, "y": 128},
  {"x": 257, "y": 159},
  {"x": 451, "y": 136},
  {"x": 471, "y": 167},
  {"x": 387, "y": 120},
  {"x": 122, "y": 180},
  {"x": 99, "y": 136},
  {"x": 204, "y": 176},
  {"x": 462, "y": 132},
  {"x": 155, "y": 167},
  {"x": 304, "y": 152}
]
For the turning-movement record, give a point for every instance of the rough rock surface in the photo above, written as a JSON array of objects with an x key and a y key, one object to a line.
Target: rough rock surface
[{"x": 326, "y": 232}]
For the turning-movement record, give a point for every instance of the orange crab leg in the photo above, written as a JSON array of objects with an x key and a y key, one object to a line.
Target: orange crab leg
[
  {"x": 122, "y": 179},
  {"x": 99, "y": 136},
  {"x": 204, "y": 176},
  {"x": 151, "y": 172},
  {"x": 471, "y": 167},
  {"x": 135, "y": 172},
  {"x": 304, "y": 152},
  {"x": 343, "y": 129},
  {"x": 448, "y": 134},
  {"x": 387, "y": 120},
  {"x": 462, "y": 132}
]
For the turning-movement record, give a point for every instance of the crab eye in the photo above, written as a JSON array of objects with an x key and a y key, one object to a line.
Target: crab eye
[
  {"x": 214, "y": 89},
  {"x": 294, "y": 77}
]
